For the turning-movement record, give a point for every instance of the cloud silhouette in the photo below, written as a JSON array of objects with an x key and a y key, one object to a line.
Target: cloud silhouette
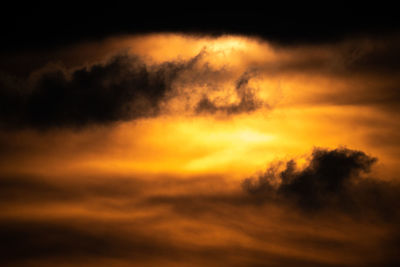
[
  {"x": 332, "y": 179},
  {"x": 124, "y": 88}
]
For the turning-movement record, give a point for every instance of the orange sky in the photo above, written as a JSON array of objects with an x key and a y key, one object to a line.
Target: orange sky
[
  {"x": 171, "y": 183},
  {"x": 305, "y": 106}
]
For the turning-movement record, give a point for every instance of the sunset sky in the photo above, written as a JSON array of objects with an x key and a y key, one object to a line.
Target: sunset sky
[{"x": 195, "y": 140}]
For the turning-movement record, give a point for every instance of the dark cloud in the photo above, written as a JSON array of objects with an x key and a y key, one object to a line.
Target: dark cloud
[
  {"x": 332, "y": 179},
  {"x": 248, "y": 101},
  {"x": 124, "y": 88},
  {"x": 336, "y": 181}
]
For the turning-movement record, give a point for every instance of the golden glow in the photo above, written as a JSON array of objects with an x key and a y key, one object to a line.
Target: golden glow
[
  {"x": 172, "y": 182},
  {"x": 299, "y": 113}
]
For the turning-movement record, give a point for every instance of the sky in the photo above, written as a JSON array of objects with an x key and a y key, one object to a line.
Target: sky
[{"x": 130, "y": 137}]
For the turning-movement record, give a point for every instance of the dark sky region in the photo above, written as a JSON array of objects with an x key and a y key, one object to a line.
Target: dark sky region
[
  {"x": 43, "y": 25},
  {"x": 152, "y": 135}
]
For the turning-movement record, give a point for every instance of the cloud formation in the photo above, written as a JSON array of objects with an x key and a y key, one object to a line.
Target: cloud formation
[
  {"x": 248, "y": 100},
  {"x": 333, "y": 179},
  {"x": 121, "y": 89},
  {"x": 127, "y": 87},
  {"x": 124, "y": 88},
  {"x": 170, "y": 191}
]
